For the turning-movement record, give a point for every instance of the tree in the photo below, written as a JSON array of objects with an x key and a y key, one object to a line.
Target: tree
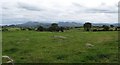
[
  {"x": 40, "y": 28},
  {"x": 23, "y": 28},
  {"x": 61, "y": 29},
  {"x": 30, "y": 29},
  {"x": 111, "y": 26},
  {"x": 54, "y": 27},
  {"x": 87, "y": 26},
  {"x": 105, "y": 28}
]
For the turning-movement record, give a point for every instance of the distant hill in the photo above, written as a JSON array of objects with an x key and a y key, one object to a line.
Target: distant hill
[
  {"x": 101, "y": 24},
  {"x": 29, "y": 24},
  {"x": 33, "y": 24},
  {"x": 36, "y": 24},
  {"x": 69, "y": 24},
  {"x": 63, "y": 24}
]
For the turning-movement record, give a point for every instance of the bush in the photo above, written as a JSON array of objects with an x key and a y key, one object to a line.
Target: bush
[
  {"x": 95, "y": 30},
  {"x": 105, "y": 28},
  {"x": 4, "y": 29},
  {"x": 54, "y": 27},
  {"x": 40, "y": 28}
]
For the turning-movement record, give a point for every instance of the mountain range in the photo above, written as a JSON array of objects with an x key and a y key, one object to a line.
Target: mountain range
[
  {"x": 63, "y": 24},
  {"x": 46, "y": 25}
]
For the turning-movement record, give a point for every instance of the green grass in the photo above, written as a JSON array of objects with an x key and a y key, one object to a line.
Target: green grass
[{"x": 41, "y": 47}]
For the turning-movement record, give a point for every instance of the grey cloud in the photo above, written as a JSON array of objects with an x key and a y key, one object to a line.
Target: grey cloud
[
  {"x": 77, "y": 4},
  {"x": 29, "y": 7},
  {"x": 104, "y": 9},
  {"x": 95, "y": 10},
  {"x": 5, "y": 8},
  {"x": 101, "y": 9}
]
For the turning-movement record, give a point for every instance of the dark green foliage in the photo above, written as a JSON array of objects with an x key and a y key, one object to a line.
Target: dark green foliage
[
  {"x": 54, "y": 27},
  {"x": 23, "y": 28},
  {"x": 67, "y": 28},
  {"x": 61, "y": 29},
  {"x": 30, "y": 29},
  {"x": 105, "y": 28},
  {"x": 118, "y": 28},
  {"x": 77, "y": 27},
  {"x": 87, "y": 26},
  {"x": 40, "y": 28},
  {"x": 115, "y": 28},
  {"x": 95, "y": 30},
  {"x": 111, "y": 26},
  {"x": 4, "y": 29}
]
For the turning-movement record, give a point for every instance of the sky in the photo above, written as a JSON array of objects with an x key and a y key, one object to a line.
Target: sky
[{"x": 95, "y": 11}]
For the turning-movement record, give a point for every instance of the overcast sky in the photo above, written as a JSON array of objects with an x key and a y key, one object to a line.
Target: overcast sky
[{"x": 20, "y": 11}]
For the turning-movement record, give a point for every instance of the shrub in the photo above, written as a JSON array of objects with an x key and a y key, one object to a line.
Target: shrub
[
  {"x": 4, "y": 29},
  {"x": 40, "y": 28},
  {"x": 105, "y": 28}
]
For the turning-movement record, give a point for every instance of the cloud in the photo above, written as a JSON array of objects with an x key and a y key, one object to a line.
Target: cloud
[
  {"x": 4, "y": 7},
  {"x": 103, "y": 8},
  {"x": 59, "y": 10},
  {"x": 99, "y": 9},
  {"x": 77, "y": 4},
  {"x": 29, "y": 7},
  {"x": 96, "y": 10}
]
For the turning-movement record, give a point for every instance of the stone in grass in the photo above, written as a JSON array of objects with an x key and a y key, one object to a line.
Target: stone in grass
[
  {"x": 9, "y": 60},
  {"x": 59, "y": 37},
  {"x": 88, "y": 45}
]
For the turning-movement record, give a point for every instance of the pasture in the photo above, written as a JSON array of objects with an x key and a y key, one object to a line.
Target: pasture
[{"x": 66, "y": 47}]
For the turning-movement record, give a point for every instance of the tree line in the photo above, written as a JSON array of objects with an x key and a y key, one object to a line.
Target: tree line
[
  {"x": 55, "y": 28},
  {"x": 88, "y": 27}
]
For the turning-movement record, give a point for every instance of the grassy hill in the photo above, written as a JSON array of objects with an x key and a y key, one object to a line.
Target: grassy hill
[{"x": 61, "y": 47}]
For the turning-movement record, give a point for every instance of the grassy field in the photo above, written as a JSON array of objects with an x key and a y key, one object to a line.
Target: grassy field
[{"x": 43, "y": 47}]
